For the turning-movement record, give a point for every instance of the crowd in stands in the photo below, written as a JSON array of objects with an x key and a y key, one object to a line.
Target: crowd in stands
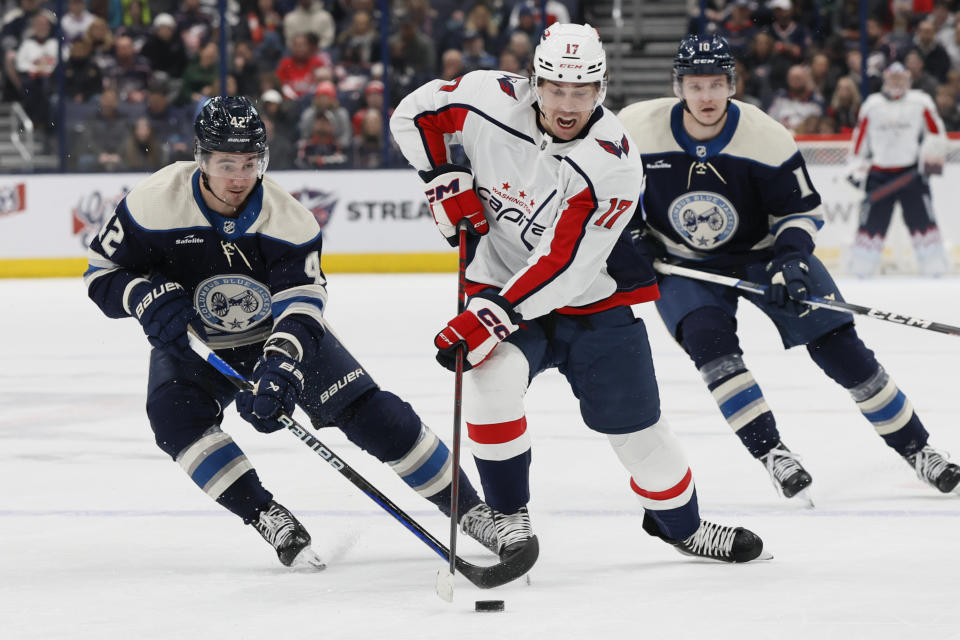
[
  {"x": 801, "y": 61},
  {"x": 137, "y": 71}
]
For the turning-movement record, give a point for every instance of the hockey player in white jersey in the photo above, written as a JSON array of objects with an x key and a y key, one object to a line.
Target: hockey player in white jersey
[
  {"x": 899, "y": 142},
  {"x": 551, "y": 278},
  {"x": 728, "y": 192}
]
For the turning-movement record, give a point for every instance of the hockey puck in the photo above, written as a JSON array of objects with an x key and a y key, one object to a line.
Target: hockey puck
[{"x": 488, "y": 605}]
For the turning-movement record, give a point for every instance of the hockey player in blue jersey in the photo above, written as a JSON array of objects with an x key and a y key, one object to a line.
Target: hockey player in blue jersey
[
  {"x": 217, "y": 246},
  {"x": 728, "y": 191}
]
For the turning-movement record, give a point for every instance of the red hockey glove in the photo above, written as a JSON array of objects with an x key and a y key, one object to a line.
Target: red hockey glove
[
  {"x": 449, "y": 190},
  {"x": 487, "y": 321}
]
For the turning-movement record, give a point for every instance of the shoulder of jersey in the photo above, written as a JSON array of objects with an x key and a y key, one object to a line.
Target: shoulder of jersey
[
  {"x": 607, "y": 140},
  {"x": 149, "y": 201},
  {"x": 648, "y": 123},
  {"x": 760, "y": 138},
  {"x": 872, "y": 100},
  {"x": 918, "y": 95},
  {"x": 283, "y": 218},
  {"x": 495, "y": 88}
]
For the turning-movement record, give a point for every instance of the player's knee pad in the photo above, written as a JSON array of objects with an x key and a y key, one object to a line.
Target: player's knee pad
[
  {"x": 381, "y": 424},
  {"x": 493, "y": 405},
  {"x": 179, "y": 414},
  {"x": 707, "y": 334},
  {"x": 659, "y": 472},
  {"x": 843, "y": 356},
  {"x": 213, "y": 462}
]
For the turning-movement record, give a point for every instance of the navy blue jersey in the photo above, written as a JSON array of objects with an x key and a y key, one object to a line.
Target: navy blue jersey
[
  {"x": 249, "y": 277},
  {"x": 728, "y": 200}
]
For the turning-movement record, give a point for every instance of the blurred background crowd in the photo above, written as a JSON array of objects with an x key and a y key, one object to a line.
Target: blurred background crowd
[{"x": 135, "y": 71}]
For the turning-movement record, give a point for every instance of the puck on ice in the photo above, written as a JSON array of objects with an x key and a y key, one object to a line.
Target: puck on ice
[{"x": 488, "y": 605}]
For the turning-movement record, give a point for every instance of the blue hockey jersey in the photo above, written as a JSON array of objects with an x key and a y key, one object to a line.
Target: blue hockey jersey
[{"x": 251, "y": 276}]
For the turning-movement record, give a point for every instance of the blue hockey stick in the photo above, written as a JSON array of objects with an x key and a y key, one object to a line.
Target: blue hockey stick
[{"x": 483, "y": 577}]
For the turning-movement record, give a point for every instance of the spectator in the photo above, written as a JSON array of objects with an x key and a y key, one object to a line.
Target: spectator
[
  {"x": 764, "y": 68},
  {"x": 106, "y": 135},
  {"x": 15, "y": 24},
  {"x": 947, "y": 108},
  {"x": 952, "y": 46},
  {"x": 245, "y": 69},
  {"x": 359, "y": 44},
  {"x": 742, "y": 79},
  {"x": 199, "y": 76},
  {"x": 135, "y": 21},
  {"x": 739, "y": 29},
  {"x": 845, "y": 105},
  {"x": 556, "y": 12},
  {"x": 713, "y": 15},
  {"x": 373, "y": 99},
  {"x": 919, "y": 77},
  {"x": 81, "y": 76},
  {"x": 936, "y": 60},
  {"x": 520, "y": 45},
  {"x": 450, "y": 34},
  {"x": 791, "y": 39},
  {"x": 368, "y": 144},
  {"x": 263, "y": 22},
  {"x": 325, "y": 102},
  {"x": 411, "y": 50},
  {"x": 100, "y": 39},
  {"x": 277, "y": 110},
  {"x": 141, "y": 149},
  {"x": 474, "y": 55},
  {"x": 35, "y": 62},
  {"x": 163, "y": 49},
  {"x": 321, "y": 148},
  {"x": 423, "y": 14},
  {"x": 194, "y": 26},
  {"x": 480, "y": 21},
  {"x": 824, "y": 75},
  {"x": 283, "y": 151},
  {"x": 510, "y": 63},
  {"x": 76, "y": 21},
  {"x": 170, "y": 124},
  {"x": 129, "y": 72},
  {"x": 943, "y": 21},
  {"x": 309, "y": 16},
  {"x": 796, "y": 104},
  {"x": 526, "y": 23},
  {"x": 298, "y": 72}
]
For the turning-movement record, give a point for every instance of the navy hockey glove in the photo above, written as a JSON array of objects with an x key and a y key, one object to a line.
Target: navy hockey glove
[
  {"x": 449, "y": 190},
  {"x": 487, "y": 321},
  {"x": 789, "y": 281},
  {"x": 278, "y": 384},
  {"x": 651, "y": 248},
  {"x": 165, "y": 311}
]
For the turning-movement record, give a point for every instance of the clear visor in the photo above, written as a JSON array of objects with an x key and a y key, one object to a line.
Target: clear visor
[
  {"x": 234, "y": 166},
  {"x": 568, "y": 97}
]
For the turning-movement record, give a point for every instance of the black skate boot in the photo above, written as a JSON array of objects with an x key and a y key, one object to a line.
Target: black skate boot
[
  {"x": 932, "y": 467},
  {"x": 786, "y": 472},
  {"x": 478, "y": 524},
  {"x": 285, "y": 534},
  {"x": 514, "y": 533},
  {"x": 719, "y": 542}
]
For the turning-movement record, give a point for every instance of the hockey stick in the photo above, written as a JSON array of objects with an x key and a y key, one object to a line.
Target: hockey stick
[
  {"x": 813, "y": 301},
  {"x": 445, "y": 577},
  {"x": 483, "y": 577}
]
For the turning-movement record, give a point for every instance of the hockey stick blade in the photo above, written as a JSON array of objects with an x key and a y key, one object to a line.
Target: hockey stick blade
[{"x": 497, "y": 575}]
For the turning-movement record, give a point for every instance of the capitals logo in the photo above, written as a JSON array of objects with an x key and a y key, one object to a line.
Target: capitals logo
[
  {"x": 618, "y": 150},
  {"x": 506, "y": 85},
  {"x": 91, "y": 210},
  {"x": 232, "y": 303},
  {"x": 319, "y": 203},
  {"x": 705, "y": 220}
]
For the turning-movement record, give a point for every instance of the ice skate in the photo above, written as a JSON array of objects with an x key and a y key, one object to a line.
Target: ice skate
[
  {"x": 513, "y": 532},
  {"x": 932, "y": 467},
  {"x": 719, "y": 542},
  {"x": 477, "y": 523},
  {"x": 787, "y": 474},
  {"x": 285, "y": 534}
]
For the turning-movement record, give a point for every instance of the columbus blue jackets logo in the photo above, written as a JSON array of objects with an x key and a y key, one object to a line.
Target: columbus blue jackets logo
[
  {"x": 232, "y": 303},
  {"x": 618, "y": 150},
  {"x": 506, "y": 85},
  {"x": 705, "y": 220},
  {"x": 319, "y": 203}
]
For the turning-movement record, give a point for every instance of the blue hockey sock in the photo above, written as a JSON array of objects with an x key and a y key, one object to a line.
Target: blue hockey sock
[
  {"x": 890, "y": 412},
  {"x": 741, "y": 402}
]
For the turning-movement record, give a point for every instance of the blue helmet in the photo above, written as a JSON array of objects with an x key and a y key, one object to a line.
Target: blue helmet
[{"x": 703, "y": 56}]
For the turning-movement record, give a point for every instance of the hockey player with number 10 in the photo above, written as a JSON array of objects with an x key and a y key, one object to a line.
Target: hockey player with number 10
[
  {"x": 216, "y": 246},
  {"x": 551, "y": 278},
  {"x": 727, "y": 191}
]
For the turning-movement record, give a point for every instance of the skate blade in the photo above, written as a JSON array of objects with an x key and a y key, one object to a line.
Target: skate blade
[
  {"x": 445, "y": 584},
  {"x": 308, "y": 560},
  {"x": 764, "y": 555},
  {"x": 805, "y": 497}
]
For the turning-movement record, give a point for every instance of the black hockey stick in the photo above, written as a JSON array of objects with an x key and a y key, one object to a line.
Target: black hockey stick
[
  {"x": 445, "y": 578},
  {"x": 813, "y": 301},
  {"x": 483, "y": 577}
]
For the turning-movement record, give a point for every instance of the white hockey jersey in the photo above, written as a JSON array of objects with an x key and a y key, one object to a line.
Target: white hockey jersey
[
  {"x": 557, "y": 209},
  {"x": 890, "y": 133}
]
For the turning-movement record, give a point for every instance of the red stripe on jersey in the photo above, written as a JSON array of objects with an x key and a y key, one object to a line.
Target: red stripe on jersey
[
  {"x": 433, "y": 125},
  {"x": 862, "y": 128},
  {"x": 931, "y": 123},
  {"x": 566, "y": 237},
  {"x": 672, "y": 492},
  {"x": 619, "y": 299},
  {"x": 497, "y": 433}
]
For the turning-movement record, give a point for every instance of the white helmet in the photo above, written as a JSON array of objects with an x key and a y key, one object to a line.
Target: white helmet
[{"x": 570, "y": 53}]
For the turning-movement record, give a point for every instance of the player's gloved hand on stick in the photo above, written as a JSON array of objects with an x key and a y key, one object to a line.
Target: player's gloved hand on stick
[
  {"x": 165, "y": 310},
  {"x": 278, "y": 384},
  {"x": 651, "y": 248},
  {"x": 449, "y": 190},
  {"x": 789, "y": 281},
  {"x": 487, "y": 320}
]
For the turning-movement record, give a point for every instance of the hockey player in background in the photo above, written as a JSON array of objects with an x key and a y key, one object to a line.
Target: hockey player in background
[
  {"x": 216, "y": 246},
  {"x": 898, "y": 144},
  {"x": 551, "y": 278},
  {"x": 727, "y": 191}
]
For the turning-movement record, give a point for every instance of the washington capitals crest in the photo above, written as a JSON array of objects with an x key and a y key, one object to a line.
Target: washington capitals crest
[
  {"x": 618, "y": 150},
  {"x": 506, "y": 85}
]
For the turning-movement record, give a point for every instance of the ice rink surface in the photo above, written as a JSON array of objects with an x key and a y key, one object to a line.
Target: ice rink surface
[{"x": 102, "y": 536}]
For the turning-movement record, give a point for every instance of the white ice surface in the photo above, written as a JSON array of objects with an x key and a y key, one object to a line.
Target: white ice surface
[{"x": 102, "y": 536}]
